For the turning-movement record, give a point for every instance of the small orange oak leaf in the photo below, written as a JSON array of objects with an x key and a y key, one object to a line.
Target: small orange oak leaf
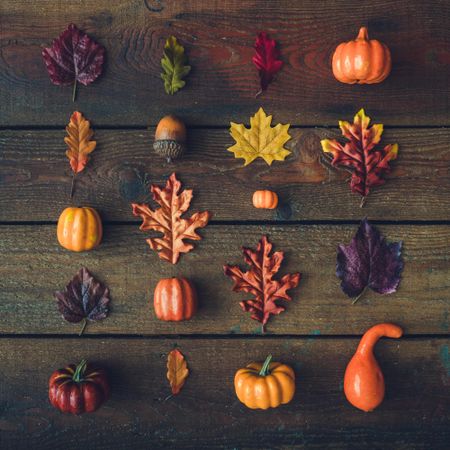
[
  {"x": 259, "y": 281},
  {"x": 79, "y": 141},
  {"x": 168, "y": 221},
  {"x": 177, "y": 370}
]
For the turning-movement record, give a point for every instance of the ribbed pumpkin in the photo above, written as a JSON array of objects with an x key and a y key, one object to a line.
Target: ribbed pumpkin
[
  {"x": 265, "y": 385},
  {"x": 265, "y": 199},
  {"x": 361, "y": 61},
  {"x": 79, "y": 229},
  {"x": 175, "y": 299}
]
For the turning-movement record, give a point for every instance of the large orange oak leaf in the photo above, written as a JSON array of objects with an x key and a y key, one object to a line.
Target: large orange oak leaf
[{"x": 168, "y": 221}]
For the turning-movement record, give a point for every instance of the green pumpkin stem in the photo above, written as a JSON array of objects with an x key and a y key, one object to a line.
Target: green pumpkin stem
[
  {"x": 265, "y": 368},
  {"x": 79, "y": 371}
]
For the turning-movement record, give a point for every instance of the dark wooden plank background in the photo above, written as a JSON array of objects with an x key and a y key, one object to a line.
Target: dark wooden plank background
[{"x": 320, "y": 329}]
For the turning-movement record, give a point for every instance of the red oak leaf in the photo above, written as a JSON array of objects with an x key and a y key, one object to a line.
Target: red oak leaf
[
  {"x": 168, "y": 221},
  {"x": 266, "y": 59},
  {"x": 258, "y": 280},
  {"x": 367, "y": 163},
  {"x": 73, "y": 57}
]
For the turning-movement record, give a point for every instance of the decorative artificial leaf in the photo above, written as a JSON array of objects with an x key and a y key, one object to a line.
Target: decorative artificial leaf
[
  {"x": 167, "y": 220},
  {"x": 367, "y": 163},
  {"x": 259, "y": 282},
  {"x": 369, "y": 261},
  {"x": 266, "y": 59},
  {"x": 84, "y": 298},
  {"x": 79, "y": 141},
  {"x": 73, "y": 57},
  {"x": 260, "y": 140},
  {"x": 173, "y": 64},
  {"x": 177, "y": 370}
]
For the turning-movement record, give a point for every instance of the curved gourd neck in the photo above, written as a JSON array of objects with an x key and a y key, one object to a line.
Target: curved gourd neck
[{"x": 372, "y": 336}]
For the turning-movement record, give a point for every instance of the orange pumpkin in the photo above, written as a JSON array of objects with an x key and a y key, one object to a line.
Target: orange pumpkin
[
  {"x": 363, "y": 380},
  {"x": 265, "y": 199},
  {"x": 265, "y": 385},
  {"x": 79, "y": 229},
  {"x": 175, "y": 299},
  {"x": 361, "y": 61}
]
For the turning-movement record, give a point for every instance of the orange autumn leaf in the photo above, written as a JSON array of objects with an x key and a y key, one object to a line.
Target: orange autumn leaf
[
  {"x": 177, "y": 370},
  {"x": 79, "y": 141},
  {"x": 168, "y": 221}
]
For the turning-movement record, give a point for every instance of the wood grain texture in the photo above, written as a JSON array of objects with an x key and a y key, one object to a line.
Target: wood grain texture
[
  {"x": 207, "y": 415},
  {"x": 219, "y": 38},
  {"x": 34, "y": 266},
  {"x": 35, "y": 177}
]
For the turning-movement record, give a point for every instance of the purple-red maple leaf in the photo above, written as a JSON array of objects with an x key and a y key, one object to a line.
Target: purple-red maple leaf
[
  {"x": 266, "y": 59},
  {"x": 258, "y": 280},
  {"x": 369, "y": 261},
  {"x": 73, "y": 57},
  {"x": 360, "y": 155},
  {"x": 84, "y": 298}
]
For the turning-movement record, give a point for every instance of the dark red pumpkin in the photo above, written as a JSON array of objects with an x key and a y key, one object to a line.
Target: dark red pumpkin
[
  {"x": 78, "y": 389},
  {"x": 175, "y": 299}
]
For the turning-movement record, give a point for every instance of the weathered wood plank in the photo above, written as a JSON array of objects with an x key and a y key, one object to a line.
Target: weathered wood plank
[
  {"x": 35, "y": 177},
  {"x": 34, "y": 266},
  {"x": 219, "y": 37},
  {"x": 207, "y": 414}
]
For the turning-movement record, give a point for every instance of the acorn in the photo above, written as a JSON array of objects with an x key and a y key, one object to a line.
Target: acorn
[{"x": 170, "y": 138}]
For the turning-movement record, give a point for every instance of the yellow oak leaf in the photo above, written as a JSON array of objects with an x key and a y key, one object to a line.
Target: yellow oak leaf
[{"x": 260, "y": 140}]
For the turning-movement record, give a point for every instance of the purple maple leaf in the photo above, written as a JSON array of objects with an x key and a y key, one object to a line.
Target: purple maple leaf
[
  {"x": 369, "y": 261},
  {"x": 73, "y": 57},
  {"x": 84, "y": 298}
]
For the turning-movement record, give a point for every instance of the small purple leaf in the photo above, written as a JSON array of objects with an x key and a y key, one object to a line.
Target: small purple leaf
[
  {"x": 369, "y": 261},
  {"x": 73, "y": 57},
  {"x": 84, "y": 298}
]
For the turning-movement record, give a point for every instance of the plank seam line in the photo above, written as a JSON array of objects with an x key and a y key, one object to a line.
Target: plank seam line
[
  {"x": 217, "y": 337},
  {"x": 199, "y": 127},
  {"x": 336, "y": 222}
]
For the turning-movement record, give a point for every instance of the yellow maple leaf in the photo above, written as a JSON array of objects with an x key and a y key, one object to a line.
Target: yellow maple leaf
[{"x": 260, "y": 140}]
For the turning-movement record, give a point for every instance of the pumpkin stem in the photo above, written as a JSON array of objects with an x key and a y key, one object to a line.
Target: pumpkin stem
[
  {"x": 363, "y": 34},
  {"x": 265, "y": 368},
  {"x": 79, "y": 371}
]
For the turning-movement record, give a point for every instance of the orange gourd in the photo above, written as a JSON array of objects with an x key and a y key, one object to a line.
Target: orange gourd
[
  {"x": 265, "y": 199},
  {"x": 265, "y": 385},
  {"x": 363, "y": 380},
  {"x": 361, "y": 61},
  {"x": 175, "y": 299},
  {"x": 79, "y": 229}
]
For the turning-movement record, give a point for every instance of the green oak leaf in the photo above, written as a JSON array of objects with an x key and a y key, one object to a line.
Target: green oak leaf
[{"x": 173, "y": 64}]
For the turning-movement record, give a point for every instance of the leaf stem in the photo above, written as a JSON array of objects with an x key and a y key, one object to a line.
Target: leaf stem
[
  {"x": 265, "y": 368},
  {"x": 83, "y": 327},
  {"x": 363, "y": 202},
  {"x": 74, "y": 92},
  {"x": 73, "y": 185},
  {"x": 359, "y": 296}
]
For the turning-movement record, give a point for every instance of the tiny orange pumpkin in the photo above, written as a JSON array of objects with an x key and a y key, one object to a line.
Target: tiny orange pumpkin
[
  {"x": 265, "y": 199},
  {"x": 361, "y": 61},
  {"x": 265, "y": 385},
  {"x": 79, "y": 229},
  {"x": 175, "y": 299}
]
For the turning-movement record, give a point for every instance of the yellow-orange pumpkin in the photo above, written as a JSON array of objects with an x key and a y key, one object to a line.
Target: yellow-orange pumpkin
[
  {"x": 361, "y": 61},
  {"x": 265, "y": 199},
  {"x": 79, "y": 229},
  {"x": 175, "y": 299},
  {"x": 265, "y": 385}
]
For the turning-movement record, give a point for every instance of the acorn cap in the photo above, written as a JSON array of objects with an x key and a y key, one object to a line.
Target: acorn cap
[{"x": 169, "y": 148}]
